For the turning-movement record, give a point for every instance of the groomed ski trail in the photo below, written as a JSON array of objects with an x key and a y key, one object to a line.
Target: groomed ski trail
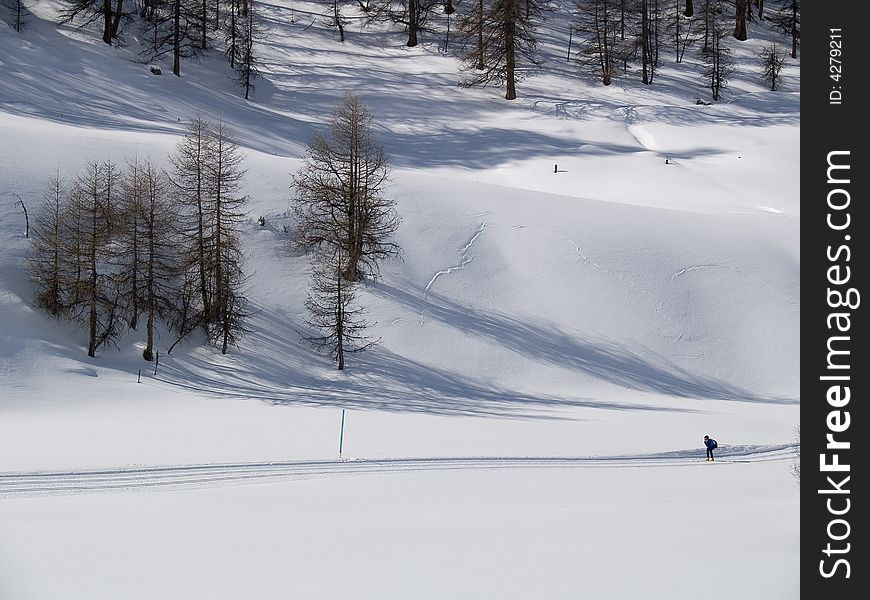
[{"x": 52, "y": 483}]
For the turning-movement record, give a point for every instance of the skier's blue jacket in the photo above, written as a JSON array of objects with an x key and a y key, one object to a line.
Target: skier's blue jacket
[{"x": 710, "y": 443}]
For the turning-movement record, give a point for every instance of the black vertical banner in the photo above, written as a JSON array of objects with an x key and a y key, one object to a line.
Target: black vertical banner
[{"x": 834, "y": 370}]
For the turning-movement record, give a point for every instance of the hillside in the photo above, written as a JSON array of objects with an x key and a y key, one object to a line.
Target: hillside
[{"x": 623, "y": 306}]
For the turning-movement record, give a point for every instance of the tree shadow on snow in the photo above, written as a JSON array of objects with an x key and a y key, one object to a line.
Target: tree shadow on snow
[
  {"x": 599, "y": 358},
  {"x": 279, "y": 367}
]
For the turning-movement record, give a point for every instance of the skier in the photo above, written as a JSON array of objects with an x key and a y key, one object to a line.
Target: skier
[{"x": 711, "y": 444}]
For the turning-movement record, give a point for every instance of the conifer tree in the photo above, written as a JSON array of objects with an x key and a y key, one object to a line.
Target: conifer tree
[
  {"x": 772, "y": 61},
  {"x": 333, "y": 312},
  {"x": 97, "y": 305},
  {"x": 509, "y": 45},
  {"x": 189, "y": 184},
  {"x": 47, "y": 260},
  {"x": 146, "y": 248},
  {"x": 597, "y": 21},
  {"x": 718, "y": 63},
  {"x": 340, "y": 203},
  {"x": 247, "y": 65},
  {"x": 224, "y": 174}
]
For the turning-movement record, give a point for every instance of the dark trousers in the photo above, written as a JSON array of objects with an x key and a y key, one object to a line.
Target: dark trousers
[{"x": 709, "y": 453}]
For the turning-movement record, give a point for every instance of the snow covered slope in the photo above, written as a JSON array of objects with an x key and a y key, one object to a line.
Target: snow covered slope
[{"x": 621, "y": 306}]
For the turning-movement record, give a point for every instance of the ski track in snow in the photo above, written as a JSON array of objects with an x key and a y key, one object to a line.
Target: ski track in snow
[{"x": 57, "y": 483}]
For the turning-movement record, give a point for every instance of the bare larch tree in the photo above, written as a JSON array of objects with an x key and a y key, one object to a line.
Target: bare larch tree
[
  {"x": 414, "y": 15},
  {"x": 248, "y": 64},
  {"x": 471, "y": 27},
  {"x": 128, "y": 246},
  {"x": 509, "y": 45},
  {"x": 598, "y": 23},
  {"x": 88, "y": 11},
  {"x": 206, "y": 180},
  {"x": 335, "y": 18},
  {"x": 649, "y": 38},
  {"x": 98, "y": 306},
  {"x": 332, "y": 310},
  {"x": 47, "y": 261},
  {"x": 682, "y": 30},
  {"x": 146, "y": 248},
  {"x": 188, "y": 180},
  {"x": 772, "y": 60},
  {"x": 339, "y": 202},
  {"x": 718, "y": 63},
  {"x": 224, "y": 174},
  {"x": 172, "y": 27},
  {"x": 787, "y": 18}
]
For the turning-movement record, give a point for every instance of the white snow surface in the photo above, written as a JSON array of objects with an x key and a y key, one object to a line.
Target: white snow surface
[{"x": 553, "y": 345}]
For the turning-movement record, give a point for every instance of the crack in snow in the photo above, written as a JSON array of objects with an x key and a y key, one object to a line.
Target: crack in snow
[
  {"x": 696, "y": 267},
  {"x": 763, "y": 284},
  {"x": 656, "y": 304},
  {"x": 466, "y": 258}
]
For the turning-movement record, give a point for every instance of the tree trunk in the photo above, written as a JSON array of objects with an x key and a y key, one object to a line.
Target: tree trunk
[
  {"x": 480, "y": 55},
  {"x": 204, "y": 42},
  {"x": 148, "y": 353},
  {"x": 92, "y": 322},
  {"x": 707, "y": 23},
  {"x": 107, "y": 21},
  {"x": 794, "y": 31},
  {"x": 200, "y": 242},
  {"x": 606, "y": 50},
  {"x": 654, "y": 62},
  {"x": 134, "y": 309},
  {"x": 740, "y": 26},
  {"x": 339, "y": 326},
  {"x": 116, "y": 24},
  {"x": 690, "y": 8},
  {"x": 644, "y": 40},
  {"x": 510, "y": 30},
  {"x": 350, "y": 273},
  {"x": 338, "y": 23},
  {"x": 412, "y": 23},
  {"x": 92, "y": 259},
  {"x": 760, "y": 10},
  {"x": 176, "y": 39},
  {"x": 225, "y": 319},
  {"x": 219, "y": 291},
  {"x": 55, "y": 264},
  {"x": 234, "y": 9},
  {"x": 622, "y": 35},
  {"x": 716, "y": 83},
  {"x": 200, "y": 221}
]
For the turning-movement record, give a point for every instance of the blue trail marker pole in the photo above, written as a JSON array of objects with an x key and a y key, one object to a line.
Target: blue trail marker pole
[{"x": 341, "y": 437}]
